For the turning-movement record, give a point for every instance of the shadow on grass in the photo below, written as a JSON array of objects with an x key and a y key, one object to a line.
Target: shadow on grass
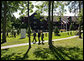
[
  {"x": 6, "y": 57},
  {"x": 14, "y": 56},
  {"x": 57, "y": 35},
  {"x": 21, "y": 38},
  {"x": 58, "y": 53},
  {"x": 54, "y": 53},
  {"x": 10, "y": 36},
  {"x": 4, "y": 51},
  {"x": 2, "y": 42},
  {"x": 26, "y": 54}
]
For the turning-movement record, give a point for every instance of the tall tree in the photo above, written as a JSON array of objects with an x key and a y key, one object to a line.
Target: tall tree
[
  {"x": 8, "y": 8},
  {"x": 50, "y": 22},
  {"x": 4, "y": 22},
  {"x": 79, "y": 22},
  {"x": 75, "y": 6},
  {"x": 29, "y": 27},
  {"x": 49, "y": 9}
]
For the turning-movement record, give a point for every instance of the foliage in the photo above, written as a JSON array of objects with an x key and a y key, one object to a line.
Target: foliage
[
  {"x": 71, "y": 26},
  {"x": 59, "y": 5},
  {"x": 43, "y": 7},
  {"x": 73, "y": 6},
  {"x": 80, "y": 18},
  {"x": 59, "y": 18},
  {"x": 9, "y": 26},
  {"x": 18, "y": 31},
  {"x": 28, "y": 30},
  {"x": 56, "y": 30},
  {"x": 12, "y": 7},
  {"x": 37, "y": 15},
  {"x": 12, "y": 32},
  {"x": 23, "y": 25}
]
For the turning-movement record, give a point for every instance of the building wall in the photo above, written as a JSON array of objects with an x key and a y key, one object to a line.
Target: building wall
[{"x": 36, "y": 24}]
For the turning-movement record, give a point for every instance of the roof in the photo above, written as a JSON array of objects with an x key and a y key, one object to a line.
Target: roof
[{"x": 63, "y": 18}]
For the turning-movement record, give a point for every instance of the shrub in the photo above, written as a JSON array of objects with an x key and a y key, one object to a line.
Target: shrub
[
  {"x": 56, "y": 31},
  {"x": 12, "y": 32},
  {"x": 68, "y": 33},
  {"x": 71, "y": 26}
]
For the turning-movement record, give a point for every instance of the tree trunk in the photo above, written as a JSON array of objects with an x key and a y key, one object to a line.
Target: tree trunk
[
  {"x": 7, "y": 33},
  {"x": 18, "y": 32},
  {"x": 79, "y": 31},
  {"x": 66, "y": 27},
  {"x": 50, "y": 26},
  {"x": 29, "y": 27},
  {"x": 79, "y": 22},
  {"x": 4, "y": 23}
]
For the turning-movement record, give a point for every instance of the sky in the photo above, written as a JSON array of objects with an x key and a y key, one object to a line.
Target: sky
[{"x": 16, "y": 14}]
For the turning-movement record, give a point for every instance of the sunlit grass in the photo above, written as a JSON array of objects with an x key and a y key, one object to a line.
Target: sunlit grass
[
  {"x": 71, "y": 49},
  {"x": 17, "y": 40}
]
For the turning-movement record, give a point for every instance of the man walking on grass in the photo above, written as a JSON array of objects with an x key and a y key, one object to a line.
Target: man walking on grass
[{"x": 34, "y": 37}]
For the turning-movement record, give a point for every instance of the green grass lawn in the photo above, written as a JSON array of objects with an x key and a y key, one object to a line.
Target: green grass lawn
[
  {"x": 17, "y": 40},
  {"x": 71, "y": 49}
]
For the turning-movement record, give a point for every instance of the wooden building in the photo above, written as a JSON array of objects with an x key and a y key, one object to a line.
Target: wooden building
[{"x": 36, "y": 24}]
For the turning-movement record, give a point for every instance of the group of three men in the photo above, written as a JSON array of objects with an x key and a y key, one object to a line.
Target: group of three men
[{"x": 40, "y": 34}]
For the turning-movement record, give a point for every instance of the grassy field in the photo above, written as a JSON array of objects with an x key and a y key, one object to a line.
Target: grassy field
[
  {"x": 17, "y": 40},
  {"x": 71, "y": 49}
]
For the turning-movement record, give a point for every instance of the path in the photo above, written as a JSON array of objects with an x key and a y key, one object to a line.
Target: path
[{"x": 10, "y": 46}]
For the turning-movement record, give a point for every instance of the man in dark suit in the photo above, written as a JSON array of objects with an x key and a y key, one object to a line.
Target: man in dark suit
[{"x": 34, "y": 37}]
